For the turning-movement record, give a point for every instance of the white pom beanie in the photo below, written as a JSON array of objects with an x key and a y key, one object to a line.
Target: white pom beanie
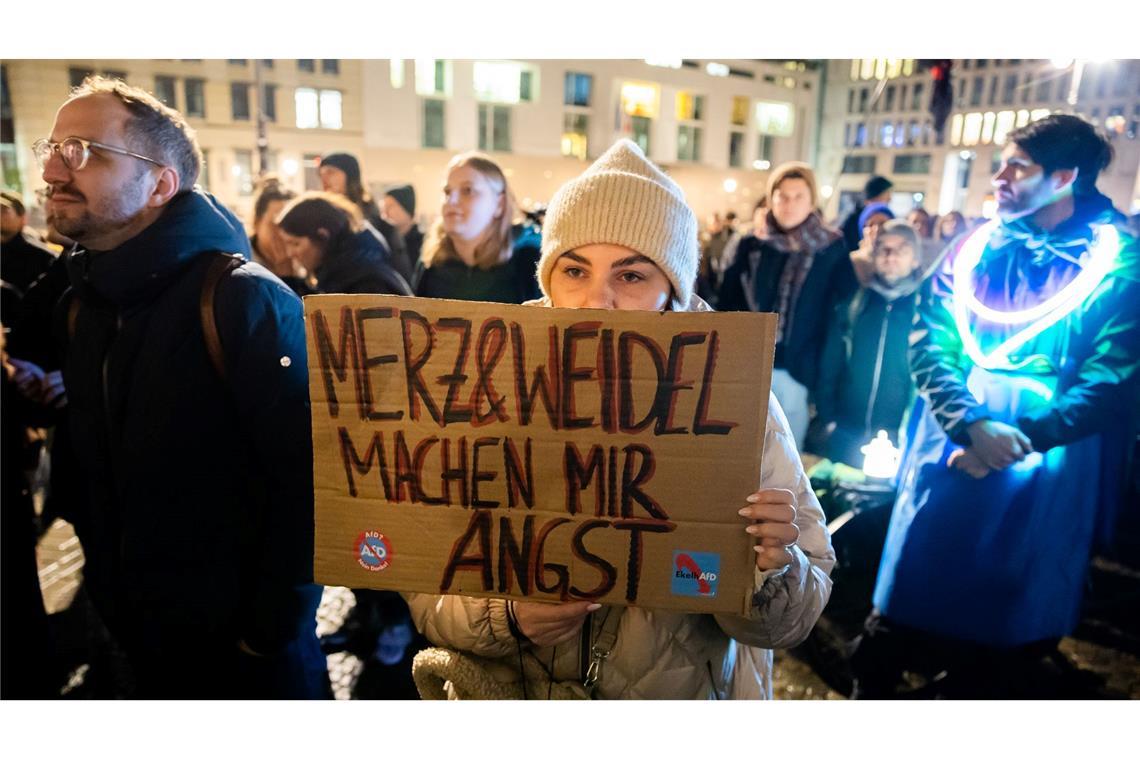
[{"x": 623, "y": 199}]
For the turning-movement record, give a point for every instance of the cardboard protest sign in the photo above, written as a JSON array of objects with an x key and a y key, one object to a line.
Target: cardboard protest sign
[{"x": 542, "y": 454}]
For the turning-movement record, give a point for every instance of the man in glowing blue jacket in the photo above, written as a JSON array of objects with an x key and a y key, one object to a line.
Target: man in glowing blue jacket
[{"x": 1026, "y": 356}]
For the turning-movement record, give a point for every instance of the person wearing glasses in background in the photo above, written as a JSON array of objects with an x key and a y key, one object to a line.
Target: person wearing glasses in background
[{"x": 194, "y": 459}]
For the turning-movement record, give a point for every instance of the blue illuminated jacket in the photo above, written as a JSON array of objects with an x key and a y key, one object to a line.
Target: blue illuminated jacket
[{"x": 1092, "y": 354}]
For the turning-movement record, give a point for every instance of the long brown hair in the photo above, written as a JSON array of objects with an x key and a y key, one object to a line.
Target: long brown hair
[{"x": 496, "y": 249}]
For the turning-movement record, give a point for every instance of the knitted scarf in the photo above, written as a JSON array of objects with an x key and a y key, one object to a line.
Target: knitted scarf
[{"x": 800, "y": 244}]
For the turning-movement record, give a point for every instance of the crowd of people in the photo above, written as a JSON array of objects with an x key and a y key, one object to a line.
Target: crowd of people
[{"x": 164, "y": 349}]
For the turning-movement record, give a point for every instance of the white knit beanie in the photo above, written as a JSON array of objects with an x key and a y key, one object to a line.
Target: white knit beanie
[{"x": 623, "y": 199}]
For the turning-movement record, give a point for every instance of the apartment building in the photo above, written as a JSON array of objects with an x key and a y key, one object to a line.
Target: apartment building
[
  {"x": 875, "y": 120},
  {"x": 716, "y": 126}
]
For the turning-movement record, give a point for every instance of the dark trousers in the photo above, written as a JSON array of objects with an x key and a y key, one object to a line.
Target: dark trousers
[
  {"x": 893, "y": 661},
  {"x": 299, "y": 671}
]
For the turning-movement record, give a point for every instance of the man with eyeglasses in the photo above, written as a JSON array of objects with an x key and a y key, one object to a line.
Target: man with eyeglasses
[{"x": 196, "y": 516}]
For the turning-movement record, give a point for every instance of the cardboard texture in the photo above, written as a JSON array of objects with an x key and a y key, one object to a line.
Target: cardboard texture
[{"x": 532, "y": 453}]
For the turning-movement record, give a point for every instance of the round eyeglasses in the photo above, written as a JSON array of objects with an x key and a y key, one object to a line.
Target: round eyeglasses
[{"x": 75, "y": 151}]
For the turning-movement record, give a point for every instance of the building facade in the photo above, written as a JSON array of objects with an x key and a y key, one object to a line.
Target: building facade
[
  {"x": 716, "y": 126},
  {"x": 876, "y": 120}
]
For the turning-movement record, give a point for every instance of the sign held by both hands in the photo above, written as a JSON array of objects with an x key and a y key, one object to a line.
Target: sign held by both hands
[{"x": 533, "y": 453}]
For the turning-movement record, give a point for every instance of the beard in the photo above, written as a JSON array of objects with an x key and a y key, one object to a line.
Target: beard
[{"x": 83, "y": 219}]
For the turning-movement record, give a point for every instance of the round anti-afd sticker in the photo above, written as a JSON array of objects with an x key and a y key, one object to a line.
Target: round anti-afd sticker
[{"x": 373, "y": 551}]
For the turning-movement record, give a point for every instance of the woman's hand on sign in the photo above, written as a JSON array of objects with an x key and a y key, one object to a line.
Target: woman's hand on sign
[
  {"x": 547, "y": 624},
  {"x": 773, "y": 512}
]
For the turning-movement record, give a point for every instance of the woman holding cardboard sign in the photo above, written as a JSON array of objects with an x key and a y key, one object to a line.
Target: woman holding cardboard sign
[{"x": 621, "y": 237}]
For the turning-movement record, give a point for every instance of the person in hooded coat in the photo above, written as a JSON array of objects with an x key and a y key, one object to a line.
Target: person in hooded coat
[
  {"x": 864, "y": 377},
  {"x": 339, "y": 251}
]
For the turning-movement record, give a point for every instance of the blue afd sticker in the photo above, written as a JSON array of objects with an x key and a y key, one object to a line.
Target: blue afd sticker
[{"x": 695, "y": 573}]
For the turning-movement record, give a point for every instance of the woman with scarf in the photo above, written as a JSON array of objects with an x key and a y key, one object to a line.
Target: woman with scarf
[
  {"x": 864, "y": 380},
  {"x": 799, "y": 269}
]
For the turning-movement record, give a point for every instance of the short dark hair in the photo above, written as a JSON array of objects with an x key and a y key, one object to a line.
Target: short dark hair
[
  {"x": 155, "y": 130},
  {"x": 314, "y": 211},
  {"x": 1066, "y": 141}
]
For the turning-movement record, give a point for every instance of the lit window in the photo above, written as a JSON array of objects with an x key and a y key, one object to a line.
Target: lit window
[
  {"x": 908, "y": 67},
  {"x": 1022, "y": 119},
  {"x": 432, "y": 77},
  {"x": 775, "y": 118},
  {"x": 640, "y": 99},
  {"x": 740, "y": 111},
  {"x": 497, "y": 82},
  {"x": 665, "y": 63},
  {"x": 1038, "y": 113},
  {"x": 894, "y": 67},
  {"x": 854, "y": 69},
  {"x": 575, "y": 135},
  {"x": 880, "y": 68},
  {"x": 690, "y": 107},
  {"x": 956, "y": 129},
  {"x": 317, "y": 108},
  {"x": 972, "y": 129},
  {"x": 243, "y": 172},
  {"x": 305, "y": 101},
  {"x": 1003, "y": 126},
  {"x": 330, "y": 109},
  {"x": 396, "y": 73},
  {"x": 867, "y": 68},
  {"x": 988, "y": 121},
  {"x": 716, "y": 69}
]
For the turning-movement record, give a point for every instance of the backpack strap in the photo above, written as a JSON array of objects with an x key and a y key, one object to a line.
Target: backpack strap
[
  {"x": 72, "y": 315},
  {"x": 223, "y": 264}
]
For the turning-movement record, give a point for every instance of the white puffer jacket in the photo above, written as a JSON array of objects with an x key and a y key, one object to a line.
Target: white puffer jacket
[{"x": 660, "y": 654}]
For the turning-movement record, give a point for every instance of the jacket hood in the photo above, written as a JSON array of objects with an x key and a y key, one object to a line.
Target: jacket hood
[
  {"x": 192, "y": 224},
  {"x": 353, "y": 255},
  {"x": 900, "y": 289}
]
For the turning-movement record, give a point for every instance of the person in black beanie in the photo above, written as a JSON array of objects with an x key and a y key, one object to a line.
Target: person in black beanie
[
  {"x": 398, "y": 207},
  {"x": 340, "y": 174},
  {"x": 877, "y": 190}
]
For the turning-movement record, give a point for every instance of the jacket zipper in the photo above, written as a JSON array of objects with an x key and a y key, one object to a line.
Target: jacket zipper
[
  {"x": 878, "y": 371},
  {"x": 122, "y": 540},
  {"x": 584, "y": 656}
]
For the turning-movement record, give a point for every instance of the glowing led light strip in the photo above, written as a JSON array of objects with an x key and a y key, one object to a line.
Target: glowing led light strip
[{"x": 1102, "y": 257}]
